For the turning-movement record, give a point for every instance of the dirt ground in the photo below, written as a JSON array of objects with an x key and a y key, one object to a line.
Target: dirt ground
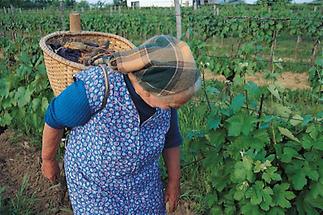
[
  {"x": 288, "y": 80},
  {"x": 18, "y": 158}
]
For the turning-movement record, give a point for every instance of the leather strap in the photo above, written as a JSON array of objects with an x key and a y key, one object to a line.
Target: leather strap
[{"x": 107, "y": 87}]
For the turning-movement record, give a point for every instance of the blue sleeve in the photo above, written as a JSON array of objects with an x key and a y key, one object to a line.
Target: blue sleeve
[
  {"x": 70, "y": 108},
  {"x": 173, "y": 136},
  {"x": 94, "y": 85}
]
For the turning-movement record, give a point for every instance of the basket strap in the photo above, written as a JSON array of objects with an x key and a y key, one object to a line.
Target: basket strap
[{"x": 107, "y": 88}]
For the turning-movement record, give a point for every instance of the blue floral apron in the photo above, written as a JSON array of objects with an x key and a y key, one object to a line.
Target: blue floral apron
[{"x": 112, "y": 162}]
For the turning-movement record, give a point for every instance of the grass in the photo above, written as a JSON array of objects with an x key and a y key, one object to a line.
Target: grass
[
  {"x": 21, "y": 203},
  {"x": 2, "y": 200}
]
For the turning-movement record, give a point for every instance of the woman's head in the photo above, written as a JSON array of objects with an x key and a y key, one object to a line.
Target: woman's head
[
  {"x": 162, "y": 70},
  {"x": 168, "y": 101}
]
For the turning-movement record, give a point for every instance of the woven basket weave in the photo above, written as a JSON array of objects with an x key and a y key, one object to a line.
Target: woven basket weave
[{"x": 60, "y": 71}]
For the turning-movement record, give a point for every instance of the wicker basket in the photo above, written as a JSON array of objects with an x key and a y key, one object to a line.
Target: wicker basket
[{"x": 59, "y": 70}]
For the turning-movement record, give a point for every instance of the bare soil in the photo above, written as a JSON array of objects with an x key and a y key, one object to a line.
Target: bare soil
[
  {"x": 288, "y": 80},
  {"x": 18, "y": 158}
]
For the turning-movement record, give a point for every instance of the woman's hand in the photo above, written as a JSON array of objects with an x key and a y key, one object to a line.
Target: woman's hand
[
  {"x": 172, "y": 195},
  {"x": 50, "y": 170}
]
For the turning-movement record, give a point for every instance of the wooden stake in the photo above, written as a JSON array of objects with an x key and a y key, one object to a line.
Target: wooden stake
[
  {"x": 61, "y": 6},
  {"x": 178, "y": 19},
  {"x": 272, "y": 49},
  {"x": 297, "y": 44},
  {"x": 75, "y": 22},
  {"x": 314, "y": 49}
]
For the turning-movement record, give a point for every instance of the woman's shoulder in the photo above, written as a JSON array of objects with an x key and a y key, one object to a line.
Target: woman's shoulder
[
  {"x": 93, "y": 72},
  {"x": 96, "y": 74}
]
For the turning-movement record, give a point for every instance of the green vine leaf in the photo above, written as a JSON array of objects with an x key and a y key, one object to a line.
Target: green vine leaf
[
  {"x": 271, "y": 175},
  {"x": 260, "y": 167},
  {"x": 281, "y": 110},
  {"x": 316, "y": 191},
  {"x": 23, "y": 96},
  {"x": 296, "y": 120},
  {"x": 276, "y": 211},
  {"x": 213, "y": 121},
  {"x": 260, "y": 140},
  {"x": 5, "y": 119},
  {"x": 299, "y": 170},
  {"x": 44, "y": 104},
  {"x": 273, "y": 90},
  {"x": 240, "y": 124},
  {"x": 243, "y": 170},
  {"x": 307, "y": 142},
  {"x": 282, "y": 196},
  {"x": 260, "y": 195},
  {"x": 237, "y": 102},
  {"x": 288, "y": 154},
  {"x": 249, "y": 209},
  {"x": 288, "y": 133}
]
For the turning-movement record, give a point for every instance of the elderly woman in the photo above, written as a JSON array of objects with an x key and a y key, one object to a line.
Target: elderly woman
[{"x": 122, "y": 118}]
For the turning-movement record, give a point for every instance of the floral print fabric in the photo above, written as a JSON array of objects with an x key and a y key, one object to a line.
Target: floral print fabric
[{"x": 111, "y": 162}]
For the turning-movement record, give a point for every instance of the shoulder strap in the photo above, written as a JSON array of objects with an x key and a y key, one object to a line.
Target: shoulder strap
[
  {"x": 107, "y": 87},
  {"x": 104, "y": 102}
]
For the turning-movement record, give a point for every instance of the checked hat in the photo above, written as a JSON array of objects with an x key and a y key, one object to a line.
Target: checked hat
[{"x": 162, "y": 65}]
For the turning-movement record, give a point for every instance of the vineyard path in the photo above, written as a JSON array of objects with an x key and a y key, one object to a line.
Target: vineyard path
[{"x": 290, "y": 80}]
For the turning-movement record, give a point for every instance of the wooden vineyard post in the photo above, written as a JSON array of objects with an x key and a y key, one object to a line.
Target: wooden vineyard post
[
  {"x": 75, "y": 22},
  {"x": 61, "y": 6},
  {"x": 299, "y": 39},
  {"x": 272, "y": 50},
  {"x": 314, "y": 49},
  {"x": 178, "y": 19}
]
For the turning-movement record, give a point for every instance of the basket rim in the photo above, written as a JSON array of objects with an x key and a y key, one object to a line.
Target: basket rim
[{"x": 44, "y": 47}]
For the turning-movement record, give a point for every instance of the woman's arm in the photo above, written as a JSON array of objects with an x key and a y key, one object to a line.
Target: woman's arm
[
  {"x": 51, "y": 140},
  {"x": 172, "y": 161}
]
